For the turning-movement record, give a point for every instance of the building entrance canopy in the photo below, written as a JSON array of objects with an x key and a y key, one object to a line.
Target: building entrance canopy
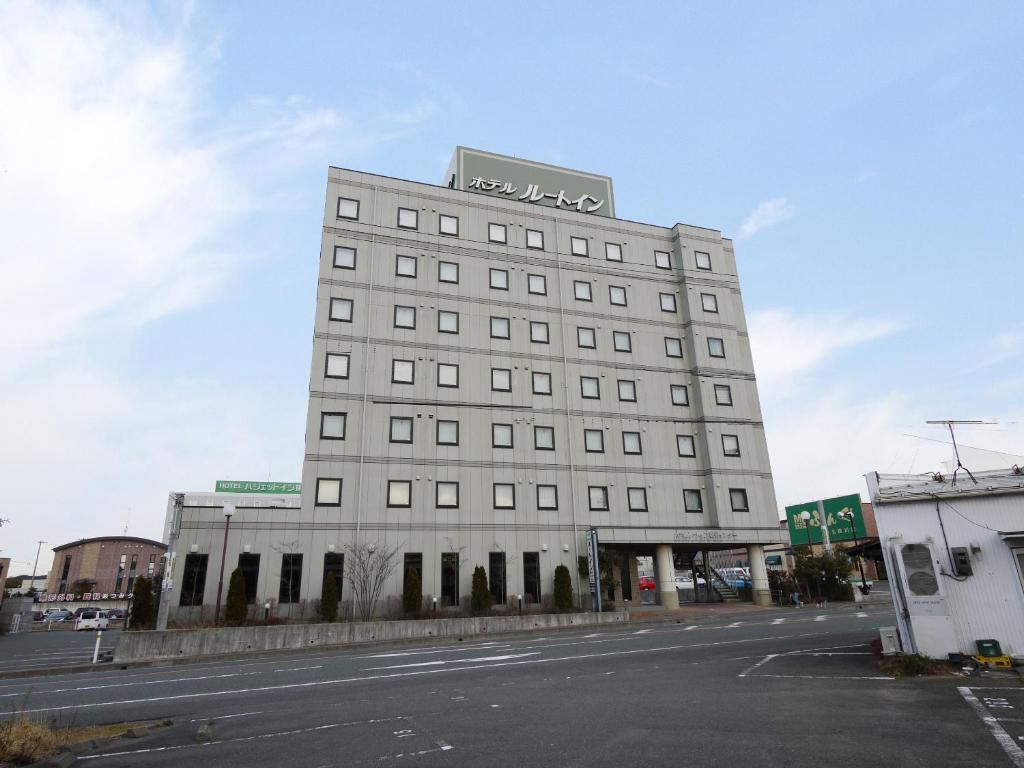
[{"x": 700, "y": 538}]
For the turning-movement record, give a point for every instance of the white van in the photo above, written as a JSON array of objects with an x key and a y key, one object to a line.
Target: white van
[{"x": 92, "y": 620}]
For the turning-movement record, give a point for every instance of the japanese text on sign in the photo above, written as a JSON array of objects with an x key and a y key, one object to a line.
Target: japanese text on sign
[{"x": 533, "y": 194}]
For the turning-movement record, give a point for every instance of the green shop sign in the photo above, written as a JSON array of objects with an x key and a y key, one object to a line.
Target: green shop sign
[
  {"x": 839, "y": 528},
  {"x": 248, "y": 486}
]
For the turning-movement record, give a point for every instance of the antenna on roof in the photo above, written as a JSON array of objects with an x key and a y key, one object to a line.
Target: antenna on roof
[{"x": 956, "y": 451}]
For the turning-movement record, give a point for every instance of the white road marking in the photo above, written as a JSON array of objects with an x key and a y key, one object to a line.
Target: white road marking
[
  {"x": 223, "y": 717},
  {"x": 862, "y": 615},
  {"x": 830, "y": 677},
  {"x": 363, "y": 678},
  {"x": 441, "y": 747},
  {"x": 595, "y": 634},
  {"x": 299, "y": 669},
  {"x": 445, "y": 649},
  {"x": 734, "y": 624},
  {"x": 765, "y": 660},
  {"x": 642, "y": 631},
  {"x": 820, "y": 618},
  {"x": 777, "y": 621},
  {"x": 454, "y": 661},
  {"x": 692, "y": 626},
  {"x": 1010, "y": 747}
]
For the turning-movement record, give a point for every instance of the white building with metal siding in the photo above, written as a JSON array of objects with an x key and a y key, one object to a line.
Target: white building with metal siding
[{"x": 955, "y": 554}]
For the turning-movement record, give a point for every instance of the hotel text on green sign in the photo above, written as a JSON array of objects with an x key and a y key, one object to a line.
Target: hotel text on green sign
[
  {"x": 839, "y": 528},
  {"x": 248, "y": 486}
]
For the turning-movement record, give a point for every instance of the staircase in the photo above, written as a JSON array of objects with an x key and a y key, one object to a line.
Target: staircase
[{"x": 721, "y": 587}]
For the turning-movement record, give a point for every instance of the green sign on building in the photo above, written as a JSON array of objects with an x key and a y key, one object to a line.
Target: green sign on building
[
  {"x": 249, "y": 486},
  {"x": 839, "y": 528}
]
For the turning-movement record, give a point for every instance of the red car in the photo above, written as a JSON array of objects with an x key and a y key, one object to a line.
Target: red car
[{"x": 646, "y": 582}]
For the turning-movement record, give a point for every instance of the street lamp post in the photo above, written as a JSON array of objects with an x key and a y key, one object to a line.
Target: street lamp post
[
  {"x": 266, "y": 612},
  {"x": 229, "y": 510},
  {"x": 860, "y": 563},
  {"x": 806, "y": 517}
]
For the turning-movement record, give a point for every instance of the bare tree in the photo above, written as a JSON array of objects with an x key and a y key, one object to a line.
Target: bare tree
[{"x": 367, "y": 569}]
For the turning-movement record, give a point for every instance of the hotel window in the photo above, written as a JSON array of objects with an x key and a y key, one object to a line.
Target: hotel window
[
  {"x": 399, "y": 493},
  {"x": 579, "y": 246},
  {"x": 447, "y": 495},
  {"x": 692, "y": 501},
  {"x": 401, "y": 429},
  {"x": 408, "y": 218},
  {"x": 344, "y": 257},
  {"x": 405, "y": 266},
  {"x": 593, "y": 440},
  {"x": 132, "y": 569},
  {"x": 447, "y": 322},
  {"x": 332, "y": 426},
  {"x": 402, "y": 371},
  {"x": 662, "y": 260},
  {"x": 412, "y": 565},
  {"x": 723, "y": 394},
  {"x": 535, "y": 239},
  {"x": 679, "y": 394},
  {"x": 291, "y": 578},
  {"x": 449, "y": 578},
  {"x": 598, "y": 495},
  {"x": 531, "y": 577},
  {"x": 637, "y": 498},
  {"x": 497, "y": 583},
  {"x": 544, "y": 438},
  {"x": 537, "y": 284},
  {"x": 336, "y": 366},
  {"x": 627, "y": 391},
  {"x": 504, "y": 496},
  {"x": 547, "y": 497},
  {"x": 686, "y": 446},
  {"x": 613, "y": 251},
  {"x": 405, "y": 317},
  {"x": 193, "y": 580},
  {"x": 585, "y": 338},
  {"x": 631, "y": 443},
  {"x": 716, "y": 347},
  {"x": 328, "y": 492},
  {"x": 617, "y": 295},
  {"x": 496, "y": 233},
  {"x": 709, "y": 302},
  {"x": 348, "y": 208},
  {"x": 738, "y": 500},
  {"x": 447, "y": 432},
  {"x": 703, "y": 260},
  {"x": 499, "y": 328},
  {"x": 447, "y": 375},
  {"x": 621, "y": 341},
  {"x": 501, "y": 435},
  {"x": 448, "y": 225},
  {"x": 538, "y": 332},
  {"x": 668, "y": 302},
  {"x": 341, "y": 310},
  {"x": 590, "y": 388},
  {"x": 499, "y": 279},
  {"x": 581, "y": 288},
  {"x": 334, "y": 565},
  {"x": 249, "y": 565},
  {"x": 541, "y": 383},
  {"x": 673, "y": 347},
  {"x": 447, "y": 272},
  {"x": 731, "y": 445},
  {"x": 501, "y": 379}
]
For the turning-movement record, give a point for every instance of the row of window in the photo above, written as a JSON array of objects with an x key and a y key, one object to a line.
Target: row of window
[
  {"x": 409, "y": 218},
  {"x": 446, "y": 496},
  {"x": 448, "y": 272},
  {"x": 333, "y": 427},
  {"x": 404, "y": 372}
]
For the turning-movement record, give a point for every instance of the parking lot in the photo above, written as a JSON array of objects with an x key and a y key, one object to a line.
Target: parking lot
[{"x": 41, "y": 650}]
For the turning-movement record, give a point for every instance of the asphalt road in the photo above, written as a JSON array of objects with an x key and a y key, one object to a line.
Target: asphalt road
[
  {"x": 773, "y": 688},
  {"x": 42, "y": 650}
]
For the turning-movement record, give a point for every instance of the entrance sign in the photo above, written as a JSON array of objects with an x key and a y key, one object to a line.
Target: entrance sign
[
  {"x": 839, "y": 528},
  {"x": 511, "y": 178},
  {"x": 248, "y": 486},
  {"x": 594, "y": 569}
]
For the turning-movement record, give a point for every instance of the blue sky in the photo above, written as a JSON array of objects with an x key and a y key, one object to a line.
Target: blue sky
[{"x": 162, "y": 175}]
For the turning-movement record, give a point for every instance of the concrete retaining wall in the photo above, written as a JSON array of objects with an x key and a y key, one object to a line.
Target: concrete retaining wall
[{"x": 192, "y": 643}]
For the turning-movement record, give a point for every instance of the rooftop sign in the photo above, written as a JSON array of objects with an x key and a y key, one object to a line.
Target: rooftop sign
[
  {"x": 836, "y": 511},
  {"x": 510, "y": 178},
  {"x": 249, "y": 486}
]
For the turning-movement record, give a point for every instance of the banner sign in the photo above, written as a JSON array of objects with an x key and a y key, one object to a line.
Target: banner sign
[
  {"x": 88, "y": 597},
  {"x": 836, "y": 511},
  {"x": 249, "y": 486}
]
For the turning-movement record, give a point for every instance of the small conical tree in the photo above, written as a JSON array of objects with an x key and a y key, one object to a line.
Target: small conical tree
[
  {"x": 142, "y": 605},
  {"x": 480, "y": 601},
  {"x": 235, "y": 608},
  {"x": 563, "y": 589},
  {"x": 329, "y": 598},
  {"x": 412, "y": 595}
]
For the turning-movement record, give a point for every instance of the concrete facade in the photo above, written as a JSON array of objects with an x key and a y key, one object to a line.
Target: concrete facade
[{"x": 457, "y": 333}]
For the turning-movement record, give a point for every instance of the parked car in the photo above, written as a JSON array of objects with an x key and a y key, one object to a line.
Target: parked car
[
  {"x": 92, "y": 620},
  {"x": 116, "y": 614},
  {"x": 59, "y": 615},
  {"x": 37, "y": 615},
  {"x": 83, "y": 608},
  {"x": 647, "y": 582}
]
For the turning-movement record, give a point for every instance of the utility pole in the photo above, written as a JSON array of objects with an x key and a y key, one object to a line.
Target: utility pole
[{"x": 36, "y": 565}]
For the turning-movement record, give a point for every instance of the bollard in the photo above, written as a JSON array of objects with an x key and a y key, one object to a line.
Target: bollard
[{"x": 96, "y": 651}]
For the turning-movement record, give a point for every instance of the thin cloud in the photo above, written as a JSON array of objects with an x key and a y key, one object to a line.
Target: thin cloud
[
  {"x": 999, "y": 349},
  {"x": 767, "y": 214}
]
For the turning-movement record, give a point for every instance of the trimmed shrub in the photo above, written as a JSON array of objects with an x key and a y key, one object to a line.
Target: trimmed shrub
[
  {"x": 412, "y": 594},
  {"x": 329, "y": 598},
  {"x": 480, "y": 601},
  {"x": 563, "y": 589},
  {"x": 142, "y": 611},
  {"x": 235, "y": 607}
]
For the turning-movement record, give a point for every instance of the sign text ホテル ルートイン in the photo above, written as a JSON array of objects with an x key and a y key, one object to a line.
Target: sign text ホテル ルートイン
[{"x": 250, "y": 486}]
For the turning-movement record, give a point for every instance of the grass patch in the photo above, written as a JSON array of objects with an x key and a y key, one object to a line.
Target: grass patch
[
  {"x": 914, "y": 665},
  {"x": 24, "y": 741}
]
